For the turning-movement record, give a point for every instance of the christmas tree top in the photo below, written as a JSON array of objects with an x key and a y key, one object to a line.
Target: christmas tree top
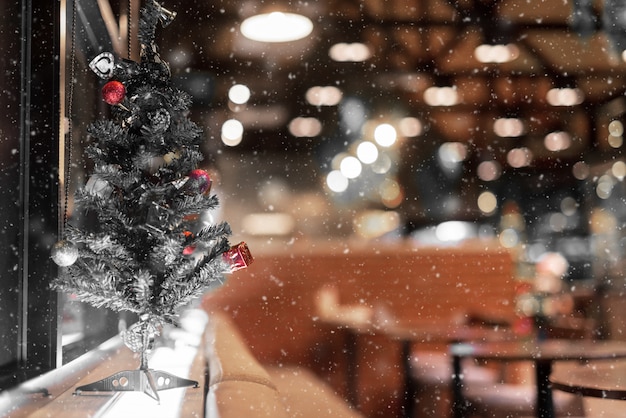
[{"x": 141, "y": 246}]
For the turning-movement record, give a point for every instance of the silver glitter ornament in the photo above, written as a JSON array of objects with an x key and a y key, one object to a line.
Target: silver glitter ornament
[
  {"x": 64, "y": 253},
  {"x": 98, "y": 186}
]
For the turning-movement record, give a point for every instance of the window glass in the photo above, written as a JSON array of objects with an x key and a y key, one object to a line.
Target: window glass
[
  {"x": 82, "y": 326},
  {"x": 11, "y": 64},
  {"x": 29, "y": 127}
]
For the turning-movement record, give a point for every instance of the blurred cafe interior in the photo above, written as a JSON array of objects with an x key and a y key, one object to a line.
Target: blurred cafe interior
[{"x": 389, "y": 162}]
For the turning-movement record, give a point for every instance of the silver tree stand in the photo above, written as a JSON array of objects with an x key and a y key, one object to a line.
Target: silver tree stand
[{"x": 139, "y": 338}]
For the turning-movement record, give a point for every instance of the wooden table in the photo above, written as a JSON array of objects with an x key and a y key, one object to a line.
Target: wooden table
[
  {"x": 606, "y": 380},
  {"x": 409, "y": 333},
  {"x": 542, "y": 353},
  {"x": 412, "y": 333}
]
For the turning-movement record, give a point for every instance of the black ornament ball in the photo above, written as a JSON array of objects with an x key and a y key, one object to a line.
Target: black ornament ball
[{"x": 159, "y": 120}]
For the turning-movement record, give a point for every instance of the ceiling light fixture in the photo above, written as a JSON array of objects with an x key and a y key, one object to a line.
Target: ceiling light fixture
[
  {"x": 349, "y": 52},
  {"x": 239, "y": 94},
  {"x": 519, "y": 157},
  {"x": 350, "y": 167},
  {"x": 489, "y": 170},
  {"x": 385, "y": 135},
  {"x": 487, "y": 202},
  {"x": 276, "y": 27},
  {"x": 441, "y": 96},
  {"x": 367, "y": 152},
  {"x": 269, "y": 224},
  {"x": 565, "y": 91},
  {"x": 565, "y": 96},
  {"x": 497, "y": 54},
  {"x": 509, "y": 127},
  {"x": 232, "y": 132},
  {"x": 324, "y": 95},
  {"x": 305, "y": 127},
  {"x": 410, "y": 126},
  {"x": 557, "y": 141},
  {"x": 497, "y": 46},
  {"x": 337, "y": 182}
]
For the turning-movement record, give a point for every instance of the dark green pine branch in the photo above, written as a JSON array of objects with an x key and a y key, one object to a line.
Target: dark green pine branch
[
  {"x": 189, "y": 205},
  {"x": 145, "y": 253},
  {"x": 181, "y": 288},
  {"x": 109, "y": 215},
  {"x": 148, "y": 21}
]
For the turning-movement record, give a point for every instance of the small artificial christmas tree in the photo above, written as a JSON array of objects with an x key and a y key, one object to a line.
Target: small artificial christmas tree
[{"x": 146, "y": 253}]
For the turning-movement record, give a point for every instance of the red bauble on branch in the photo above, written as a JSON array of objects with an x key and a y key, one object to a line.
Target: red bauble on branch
[
  {"x": 199, "y": 182},
  {"x": 189, "y": 250},
  {"x": 238, "y": 257},
  {"x": 113, "y": 92}
]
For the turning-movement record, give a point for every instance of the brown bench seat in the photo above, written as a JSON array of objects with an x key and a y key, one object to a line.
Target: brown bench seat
[
  {"x": 239, "y": 386},
  {"x": 274, "y": 305}
]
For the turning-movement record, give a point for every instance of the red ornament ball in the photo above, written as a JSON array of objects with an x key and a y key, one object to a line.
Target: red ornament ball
[
  {"x": 199, "y": 182},
  {"x": 113, "y": 92},
  {"x": 189, "y": 250}
]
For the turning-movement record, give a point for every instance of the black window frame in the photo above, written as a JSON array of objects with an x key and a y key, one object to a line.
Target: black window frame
[
  {"x": 31, "y": 133},
  {"x": 31, "y": 32}
]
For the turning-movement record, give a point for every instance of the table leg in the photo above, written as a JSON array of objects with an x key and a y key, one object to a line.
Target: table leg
[
  {"x": 352, "y": 366},
  {"x": 545, "y": 403},
  {"x": 410, "y": 391},
  {"x": 458, "y": 403}
]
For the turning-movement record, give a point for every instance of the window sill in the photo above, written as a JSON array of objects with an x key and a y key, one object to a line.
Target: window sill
[
  {"x": 40, "y": 391},
  {"x": 52, "y": 394}
]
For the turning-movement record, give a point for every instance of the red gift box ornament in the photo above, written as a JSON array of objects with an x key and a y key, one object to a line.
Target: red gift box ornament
[{"x": 238, "y": 257}]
